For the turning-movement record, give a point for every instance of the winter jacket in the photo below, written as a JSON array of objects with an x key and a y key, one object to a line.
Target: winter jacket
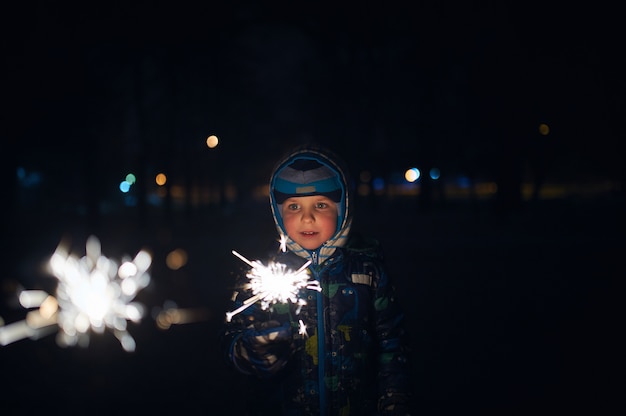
[{"x": 348, "y": 353}]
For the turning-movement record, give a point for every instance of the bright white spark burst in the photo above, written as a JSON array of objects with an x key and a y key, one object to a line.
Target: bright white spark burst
[
  {"x": 283, "y": 242},
  {"x": 274, "y": 283},
  {"x": 93, "y": 293},
  {"x": 302, "y": 328}
]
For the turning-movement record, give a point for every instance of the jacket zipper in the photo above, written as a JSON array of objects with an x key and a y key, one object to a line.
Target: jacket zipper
[{"x": 321, "y": 353}]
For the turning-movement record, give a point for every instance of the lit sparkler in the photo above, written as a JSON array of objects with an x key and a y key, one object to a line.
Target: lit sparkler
[
  {"x": 93, "y": 293},
  {"x": 274, "y": 283}
]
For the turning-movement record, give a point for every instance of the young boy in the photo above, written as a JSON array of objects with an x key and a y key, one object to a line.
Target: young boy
[{"x": 345, "y": 351}]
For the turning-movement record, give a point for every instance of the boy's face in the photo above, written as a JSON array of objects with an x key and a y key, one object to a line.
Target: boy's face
[{"x": 310, "y": 221}]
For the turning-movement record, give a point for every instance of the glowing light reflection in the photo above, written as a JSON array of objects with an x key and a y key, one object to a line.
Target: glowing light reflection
[{"x": 173, "y": 315}]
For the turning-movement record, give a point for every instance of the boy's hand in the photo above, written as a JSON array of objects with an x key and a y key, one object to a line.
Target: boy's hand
[
  {"x": 266, "y": 348},
  {"x": 394, "y": 403}
]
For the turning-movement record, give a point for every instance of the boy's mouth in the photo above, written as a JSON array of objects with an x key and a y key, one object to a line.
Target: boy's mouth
[{"x": 308, "y": 233}]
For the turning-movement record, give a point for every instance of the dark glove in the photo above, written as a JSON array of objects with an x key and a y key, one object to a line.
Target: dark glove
[
  {"x": 264, "y": 349},
  {"x": 394, "y": 403}
]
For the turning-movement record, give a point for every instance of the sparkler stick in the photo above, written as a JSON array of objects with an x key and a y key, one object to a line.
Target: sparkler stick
[
  {"x": 38, "y": 322},
  {"x": 274, "y": 283},
  {"x": 15, "y": 331}
]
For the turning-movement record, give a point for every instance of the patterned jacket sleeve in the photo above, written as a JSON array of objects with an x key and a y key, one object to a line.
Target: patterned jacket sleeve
[
  {"x": 232, "y": 330},
  {"x": 249, "y": 319},
  {"x": 394, "y": 377}
]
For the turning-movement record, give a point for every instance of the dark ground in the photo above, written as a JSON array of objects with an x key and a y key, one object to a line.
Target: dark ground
[{"x": 516, "y": 314}]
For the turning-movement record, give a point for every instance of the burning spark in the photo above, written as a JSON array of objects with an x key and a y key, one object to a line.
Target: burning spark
[
  {"x": 93, "y": 293},
  {"x": 283, "y": 242},
  {"x": 302, "y": 330},
  {"x": 274, "y": 283}
]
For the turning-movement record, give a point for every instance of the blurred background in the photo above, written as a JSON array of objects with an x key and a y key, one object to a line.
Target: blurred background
[{"x": 483, "y": 143}]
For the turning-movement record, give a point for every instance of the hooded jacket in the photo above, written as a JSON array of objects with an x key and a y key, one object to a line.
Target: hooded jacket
[{"x": 349, "y": 354}]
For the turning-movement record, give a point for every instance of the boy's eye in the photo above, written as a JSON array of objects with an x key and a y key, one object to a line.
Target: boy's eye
[
  {"x": 292, "y": 206},
  {"x": 322, "y": 205}
]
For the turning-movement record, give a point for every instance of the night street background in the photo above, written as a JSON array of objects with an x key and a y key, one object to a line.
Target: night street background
[{"x": 510, "y": 264}]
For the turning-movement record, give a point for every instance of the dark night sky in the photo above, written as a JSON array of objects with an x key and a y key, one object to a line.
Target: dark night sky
[{"x": 123, "y": 84}]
